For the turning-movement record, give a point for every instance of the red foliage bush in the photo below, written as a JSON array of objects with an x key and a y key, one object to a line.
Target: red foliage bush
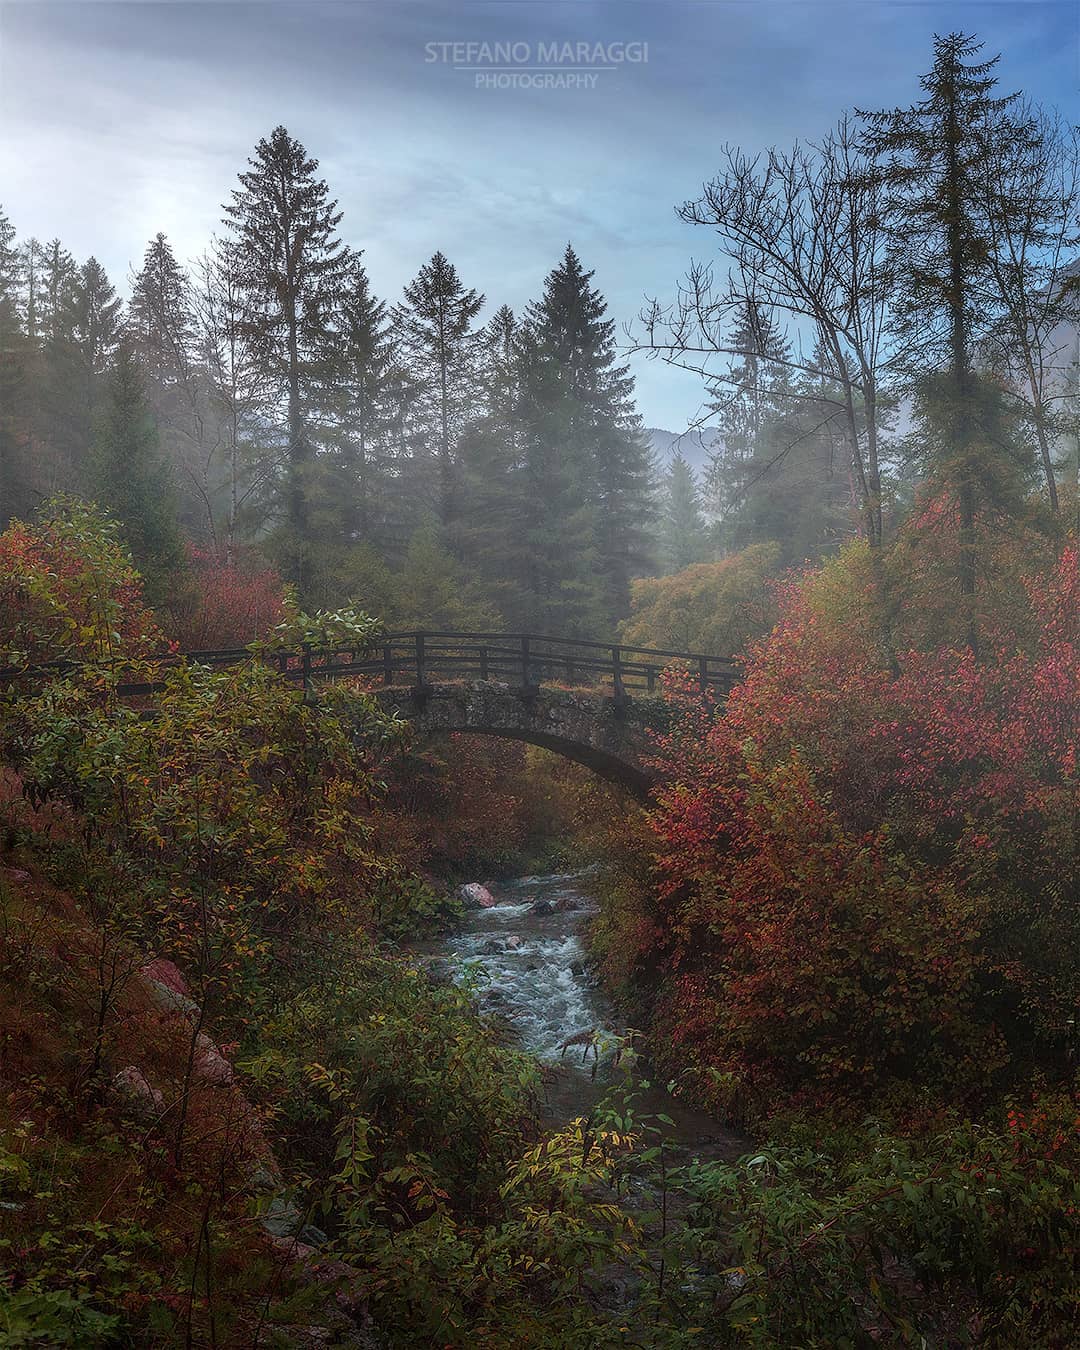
[
  {"x": 866, "y": 875},
  {"x": 230, "y": 602},
  {"x": 69, "y": 589}
]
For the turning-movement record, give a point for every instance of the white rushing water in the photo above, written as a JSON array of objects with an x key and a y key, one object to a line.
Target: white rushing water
[{"x": 530, "y": 967}]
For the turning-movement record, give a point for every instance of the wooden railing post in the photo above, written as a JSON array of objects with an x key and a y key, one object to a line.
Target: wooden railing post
[
  {"x": 387, "y": 664},
  {"x": 703, "y": 674},
  {"x": 650, "y": 678},
  {"x": 525, "y": 662},
  {"x": 616, "y": 672},
  {"x": 571, "y": 670},
  {"x": 483, "y": 663},
  {"x": 305, "y": 666},
  {"x": 420, "y": 672}
]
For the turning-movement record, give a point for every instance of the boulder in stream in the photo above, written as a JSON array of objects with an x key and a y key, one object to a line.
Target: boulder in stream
[
  {"x": 475, "y": 896},
  {"x": 567, "y": 904},
  {"x": 513, "y": 942},
  {"x": 541, "y": 908}
]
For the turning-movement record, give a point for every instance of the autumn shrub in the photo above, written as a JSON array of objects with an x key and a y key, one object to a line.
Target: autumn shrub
[
  {"x": 865, "y": 863},
  {"x": 968, "y": 1235},
  {"x": 69, "y": 590},
  {"x": 716, "y": 608},
  {"x": 242, "y": 806},
  {"x": 376, "y": 1054},
  {"x": 230, "y": 600}
]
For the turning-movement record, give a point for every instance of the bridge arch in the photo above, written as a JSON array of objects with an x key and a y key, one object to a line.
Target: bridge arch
[{"x": 603, "y": 733}]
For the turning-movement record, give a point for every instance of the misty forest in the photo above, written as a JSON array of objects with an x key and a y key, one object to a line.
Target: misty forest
[{"x": 480, "y": 869}]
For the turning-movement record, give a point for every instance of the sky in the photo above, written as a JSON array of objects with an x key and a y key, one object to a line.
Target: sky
[{"x": 119, "y": 120}]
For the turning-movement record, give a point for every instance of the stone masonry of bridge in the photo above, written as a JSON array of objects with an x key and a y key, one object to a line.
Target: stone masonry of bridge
[{"x": 606, "y": 734}]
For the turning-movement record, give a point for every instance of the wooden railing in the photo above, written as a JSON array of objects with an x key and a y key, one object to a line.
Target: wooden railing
[{"x": 523, "y": 660}]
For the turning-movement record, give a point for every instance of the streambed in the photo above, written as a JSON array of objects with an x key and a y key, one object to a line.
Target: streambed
[{"x": 528, "y": 957}]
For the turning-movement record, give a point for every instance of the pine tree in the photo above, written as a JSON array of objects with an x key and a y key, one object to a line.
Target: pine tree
[
  {"x": 586, "y": 448},
  {"x": 52, "y": 432},
  {"x": 59, "y": 275},
  {"x": 128, "y": 475},
  {"x": 493, "y": 510},
  {"x": 84, "y": 328},
  {"x": 14, "y": 356},
  {"x": 160, "y": 319},
  {"x": 293, "y": 265},
  {"x": 934, "y": 159},
  {"x": 238, "y": 399},
  {"x": 684, "y": 536},
  {"x": 32, "y": 258},
  {"x": 435, "y": 325},
  {"x": 362, "y": 412},
  {"x": 753, "y": 395}
]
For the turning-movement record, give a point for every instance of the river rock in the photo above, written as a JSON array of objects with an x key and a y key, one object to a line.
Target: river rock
[
  {"x": 566, "y": 904},
  {"x": 541, "y": 908},
  {"x": 168, "y": 989},
  {"x": 476, "y": 896},
  {"x": 439, "y": 974},
  {"x": 513, "y": 942}
]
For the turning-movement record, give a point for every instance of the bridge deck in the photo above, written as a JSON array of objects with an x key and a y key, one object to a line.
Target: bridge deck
[{"x": 416, "y": 659}]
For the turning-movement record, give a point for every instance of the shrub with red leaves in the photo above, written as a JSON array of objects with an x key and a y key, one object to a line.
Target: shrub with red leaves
[
  {"x": 867, "y": 875},
  {"x": 69, "y": 589},
  {"x": 231, "y": 602}
]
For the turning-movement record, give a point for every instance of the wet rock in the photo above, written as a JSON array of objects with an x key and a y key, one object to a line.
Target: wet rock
[
  {"x": 439, "y": 974},
  {"x": 167, "y": 973},
  {"x": 209, "y": 1063},
  {"x": 475, "y": 896},
  {"x": 291, "y": 1247},
  {"x": 141, "y": 1098},
  {"x": 542, "y": 908},
  {"x": 566, "y": 904},
  {"x": 166, "y": 998},
  {"x": 262, "y": 1176},
  {"x": 577, "y": 968},
  {"x": 282, "y": 1219},
  {"x": 513, "y": 942}
]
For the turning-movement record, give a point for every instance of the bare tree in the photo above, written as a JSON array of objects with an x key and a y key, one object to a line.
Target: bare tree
[{"x": 804, "y": 233}]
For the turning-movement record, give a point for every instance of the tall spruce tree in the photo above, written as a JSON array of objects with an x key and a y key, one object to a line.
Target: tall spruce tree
[
  {"x": 934, "y": 157},
  {"x": 293, "y": 265},
  {"x": 128, "y": 475},
  {"x": 493, "y": 514},
  {"x": 160, "y": 318},
  {"x": 14, "y": 357},
  {"x": 587, "y": 455},
  {"x": 85, "y": 331},
  {"x": 435, "y": 326},
  {"x": 362, "y": 415},
  {"x": 750, "y": 397},
  {"x": 684, "y": 536}
]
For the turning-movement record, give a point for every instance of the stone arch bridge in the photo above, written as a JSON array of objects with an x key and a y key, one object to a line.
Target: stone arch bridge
[{"x": 592, "y": 702}]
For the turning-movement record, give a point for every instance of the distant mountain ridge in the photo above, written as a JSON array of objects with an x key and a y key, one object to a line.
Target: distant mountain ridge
[{"x": 696, "y": 447}]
